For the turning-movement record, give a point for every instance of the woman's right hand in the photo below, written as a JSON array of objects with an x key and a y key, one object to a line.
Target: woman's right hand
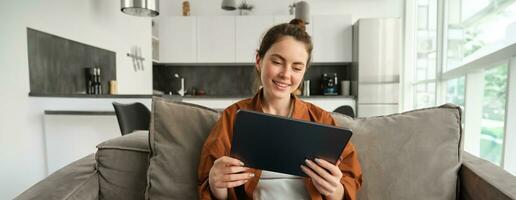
[{"x": 225, "y": 173}]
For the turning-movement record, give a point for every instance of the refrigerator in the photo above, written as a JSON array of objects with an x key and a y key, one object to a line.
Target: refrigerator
[{"x": 376, "y": 63}]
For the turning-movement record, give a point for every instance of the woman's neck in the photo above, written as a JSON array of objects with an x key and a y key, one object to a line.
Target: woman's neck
[{"x": 276, "y": 106}]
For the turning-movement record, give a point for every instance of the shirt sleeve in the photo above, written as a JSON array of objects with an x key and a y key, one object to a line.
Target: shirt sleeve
[
  {"x": 217, "y": 144},
  {"x": 349, "y": 166}
]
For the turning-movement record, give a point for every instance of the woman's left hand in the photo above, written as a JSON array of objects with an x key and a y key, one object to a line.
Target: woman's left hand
[{"x": 325, "y": 177}]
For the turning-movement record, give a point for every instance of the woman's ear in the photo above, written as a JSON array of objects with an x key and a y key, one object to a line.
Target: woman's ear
[{"x": 258, "y": 61}]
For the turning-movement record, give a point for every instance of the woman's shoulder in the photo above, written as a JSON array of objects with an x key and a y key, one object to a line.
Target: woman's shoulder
[
  {"x": 317, "y": 113},
  {"x": 242, "y": 104}
]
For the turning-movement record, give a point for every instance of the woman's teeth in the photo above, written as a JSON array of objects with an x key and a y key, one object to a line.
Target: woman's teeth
[{"x": 281, "y": 85}]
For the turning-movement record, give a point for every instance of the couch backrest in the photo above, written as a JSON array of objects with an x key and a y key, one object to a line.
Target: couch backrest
[{"x": 413, "y": 155}]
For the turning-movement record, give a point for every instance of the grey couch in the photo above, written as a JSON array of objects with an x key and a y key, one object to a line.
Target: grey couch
[{"x": 118, "y": 170}]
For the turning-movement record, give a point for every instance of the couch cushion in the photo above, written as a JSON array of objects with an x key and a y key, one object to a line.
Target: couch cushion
[
  {"x": 177, "y": 133},
  {"x": 410, "y": 155},
  {"x": 122, "y": 164}
]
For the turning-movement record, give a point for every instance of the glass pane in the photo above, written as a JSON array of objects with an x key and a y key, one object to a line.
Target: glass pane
[
  {"x": 426, "y": 45},
  {"x": 455, "y": 91},
  {"x": 477, "y": 24},
  {"x": 424, "y": 95},
  {"x": 493, "y": 114}
]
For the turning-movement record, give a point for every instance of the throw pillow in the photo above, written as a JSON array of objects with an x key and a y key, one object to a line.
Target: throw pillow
[
  {"x": 413, "y": 155},
  {"x": 177, "y": 133}
]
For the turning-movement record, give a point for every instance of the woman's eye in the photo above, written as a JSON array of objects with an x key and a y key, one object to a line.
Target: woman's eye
[{"x": 276, "y": 62}]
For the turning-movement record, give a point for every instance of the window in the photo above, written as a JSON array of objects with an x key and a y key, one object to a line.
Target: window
[
  {"x": 493, "y": 114},
  {"x": 426, "y": 57},
  {"x": 474, "y": 25},
  {"x": 465, "y": 55},
  {"x": 455, "y": 91}
]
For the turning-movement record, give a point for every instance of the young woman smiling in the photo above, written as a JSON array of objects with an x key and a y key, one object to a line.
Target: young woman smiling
[{"x": 281, "y": 62}]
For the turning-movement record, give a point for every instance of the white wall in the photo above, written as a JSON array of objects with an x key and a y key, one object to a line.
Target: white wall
[
  {"x": 95, "y": 22},
  {"x": 357, "y": 8}
]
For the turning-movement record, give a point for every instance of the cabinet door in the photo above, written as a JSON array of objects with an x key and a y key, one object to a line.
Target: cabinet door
[
  {"x": 286, "y": 19},
  {"x": 332, "y": 38},
  {"x": 216, "y": 39},
  {"x": 178, "y": 39},
  {"x": 249, "y": 32}
]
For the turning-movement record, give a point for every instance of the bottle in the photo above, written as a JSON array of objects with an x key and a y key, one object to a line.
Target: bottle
[
  {"x": 96, "y": 87},
  {"x": 99, "y": 80},
  {"x": 91, "y": 79}
]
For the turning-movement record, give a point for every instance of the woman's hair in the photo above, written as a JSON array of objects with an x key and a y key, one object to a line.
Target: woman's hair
[{"x": 295, "y": 28}]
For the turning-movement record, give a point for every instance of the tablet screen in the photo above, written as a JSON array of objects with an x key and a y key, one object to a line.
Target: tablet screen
[{"x": 281, "y": 144}]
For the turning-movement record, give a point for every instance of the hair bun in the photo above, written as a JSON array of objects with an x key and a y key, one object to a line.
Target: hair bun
[{"x": 299, "y": 23}]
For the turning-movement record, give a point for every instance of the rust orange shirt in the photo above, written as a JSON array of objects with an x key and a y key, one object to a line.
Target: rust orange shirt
[{"x": 218, "y": 144}]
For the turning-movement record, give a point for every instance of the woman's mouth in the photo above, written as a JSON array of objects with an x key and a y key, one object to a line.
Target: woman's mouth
[{"x": 281, "y": 85}]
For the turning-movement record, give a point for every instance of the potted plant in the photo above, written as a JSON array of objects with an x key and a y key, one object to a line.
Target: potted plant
[{"x": 245, "y": 8}]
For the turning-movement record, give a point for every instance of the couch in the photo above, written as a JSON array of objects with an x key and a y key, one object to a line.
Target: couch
[{"x": 412, "y": 155}]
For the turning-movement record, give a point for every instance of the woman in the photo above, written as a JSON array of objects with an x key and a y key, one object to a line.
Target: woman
[{"x": 281, "y": 63}]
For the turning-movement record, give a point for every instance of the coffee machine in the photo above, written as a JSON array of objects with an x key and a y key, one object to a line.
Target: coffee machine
[{"x": 329, "y": 84}]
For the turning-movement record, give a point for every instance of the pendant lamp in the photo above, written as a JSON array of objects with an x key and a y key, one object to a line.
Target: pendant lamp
[{"x": 142, "y": 8}]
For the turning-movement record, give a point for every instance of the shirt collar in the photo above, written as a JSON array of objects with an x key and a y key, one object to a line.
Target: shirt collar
[{"x": 300, "y": 109}]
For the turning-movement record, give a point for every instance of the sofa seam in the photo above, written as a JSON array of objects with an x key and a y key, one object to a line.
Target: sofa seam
[{"x": 82, "y": 184}]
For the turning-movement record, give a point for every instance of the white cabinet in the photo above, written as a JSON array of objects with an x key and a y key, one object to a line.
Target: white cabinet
[
  {"x": 248, "y": 34},
  {"x": 216, "y": 39},
  {"x": 332, "y": 38},
  {"x": 230, "y": 39},
  {"x": 177, "y": 40},
  {"x": 286, "y": 19}
]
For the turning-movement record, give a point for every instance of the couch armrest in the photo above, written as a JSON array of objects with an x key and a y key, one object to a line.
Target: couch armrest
[
  {"x": 78, "y": 180},
  {"x": 480, "y": 179},
  {"x": 122, "y": 165}
]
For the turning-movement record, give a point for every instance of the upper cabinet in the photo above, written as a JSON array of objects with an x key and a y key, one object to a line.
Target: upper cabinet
[
  {"x": 177, "y": 39},
  {"x": 286, "y": 19},
  {"x": 230, "y": 39},
  {"x": 332, "y": 38},
  {"x": 248, "y": 33},
  {"x": 216, "y": 39}
]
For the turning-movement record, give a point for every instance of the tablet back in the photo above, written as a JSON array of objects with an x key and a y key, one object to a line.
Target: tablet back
[{"x": 280, "y": 144}]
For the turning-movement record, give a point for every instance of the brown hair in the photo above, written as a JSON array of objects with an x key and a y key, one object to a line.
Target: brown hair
[{"x": 295, "y": 28}]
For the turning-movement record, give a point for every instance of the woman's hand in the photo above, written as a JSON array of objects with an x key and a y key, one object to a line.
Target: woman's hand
[
  {"x": 325, "y": 177},
  {"x": 225, "y": 173}
]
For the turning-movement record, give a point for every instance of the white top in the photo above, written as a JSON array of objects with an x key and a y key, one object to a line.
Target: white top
[{"x": 273, "y": 185}]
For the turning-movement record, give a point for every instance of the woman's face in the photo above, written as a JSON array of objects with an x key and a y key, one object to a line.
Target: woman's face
[{"x": 282, "y": 67}]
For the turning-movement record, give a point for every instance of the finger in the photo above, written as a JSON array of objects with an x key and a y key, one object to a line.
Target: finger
[
  {"x": 231, "y": 161},
  {"x": 235, "y": 183},
  {"x": 237, "y": 177},
  {"x": 322, "y": 186},
  {"x": 321, "y": 172},
  {"x": 235, "y": 169},
  {"x": 231, "y": 184},
  {"x": 334, "y": 170}
]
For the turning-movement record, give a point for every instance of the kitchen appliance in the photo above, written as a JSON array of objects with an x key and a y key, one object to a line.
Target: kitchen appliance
[
  {"x": 329, "y": 84},
  {"x": 377, "y": 56}
]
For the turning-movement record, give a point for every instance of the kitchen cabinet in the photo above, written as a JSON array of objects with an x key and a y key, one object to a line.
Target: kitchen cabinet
[
  {"x": 332, "y": 36},
  {"x": 248, "y": 34},
  {"x": 216, "y": 39},
  {"x": 286, "y": 19},
  {"x": 234, "y": 39},
  {"x": 177, "y": 39}
]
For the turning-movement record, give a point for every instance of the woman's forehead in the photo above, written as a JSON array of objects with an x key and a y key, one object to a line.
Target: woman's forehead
[{"x": 290, "y": 49}]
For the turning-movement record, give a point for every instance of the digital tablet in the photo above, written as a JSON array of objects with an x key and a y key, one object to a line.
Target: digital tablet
[{"x": 281, "y": 144}]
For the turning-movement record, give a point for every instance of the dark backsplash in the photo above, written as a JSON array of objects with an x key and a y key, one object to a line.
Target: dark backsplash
[
  {"x": 57, "y": 65},
  {"x": 231, "y": 79}
]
